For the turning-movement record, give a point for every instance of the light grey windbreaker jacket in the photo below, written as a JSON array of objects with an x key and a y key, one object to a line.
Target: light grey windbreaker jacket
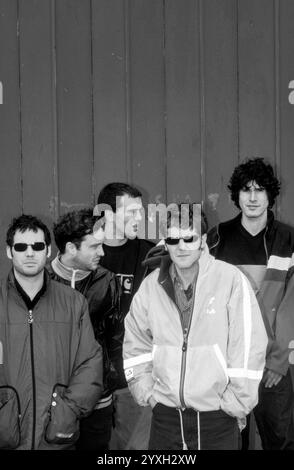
[{"x": 218, "y": 363}]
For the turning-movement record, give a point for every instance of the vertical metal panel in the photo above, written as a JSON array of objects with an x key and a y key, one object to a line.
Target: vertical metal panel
[
  {"x": 183, "y": 100},
  {"x": 147, "y": 97},
  {"x": 287, "y": 108},
  {"x": 74, "y": 99},
  {"x": 37, "y": 109},
  {"x": 10, "y": 157},
  {"x": 221, "y": 131},
  {"x": 256, "y": 78},
  {"x": 109, "y": 91}
]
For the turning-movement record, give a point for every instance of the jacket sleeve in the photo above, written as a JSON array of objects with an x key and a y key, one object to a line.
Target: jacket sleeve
[
  {"x": 278, "y": 357},
  {"x": 137, "y": 349},
  {"x": 85, "y": 384},
  {"x": 246, "y": 350}
]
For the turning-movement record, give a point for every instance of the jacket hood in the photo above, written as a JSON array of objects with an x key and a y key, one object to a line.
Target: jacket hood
[{"x": 155, "y": 256}]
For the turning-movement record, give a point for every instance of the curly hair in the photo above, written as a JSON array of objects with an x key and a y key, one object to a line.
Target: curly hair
[
  {"x": 73, "y": 227},
  {"x": 254, "y": 169}
]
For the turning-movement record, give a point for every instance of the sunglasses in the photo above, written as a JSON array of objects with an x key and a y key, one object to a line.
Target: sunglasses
[
  {"x": 175, "y": 241},
  {"x": 37, "y": 246}
]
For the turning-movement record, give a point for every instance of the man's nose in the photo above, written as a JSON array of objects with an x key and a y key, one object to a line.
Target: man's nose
[
  {"x": 100, "y": 250},
  {"x": 29, "y": 251},
  {"x": 138, "y": 216},
  {"x": 182, "y": 245},
  {"x": 252, "y": 195}
]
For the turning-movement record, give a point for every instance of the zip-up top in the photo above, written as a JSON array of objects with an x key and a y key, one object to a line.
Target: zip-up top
[
  {"x": 276, "y": 254},
  {"x": 49, "y": 344},
  {"x": 217, "y": 363}
]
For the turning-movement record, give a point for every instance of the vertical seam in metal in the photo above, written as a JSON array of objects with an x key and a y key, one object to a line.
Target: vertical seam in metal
[
  {"x": 202, "y": 105},
  {"x": 165, "y": 101},
  {"x": 277, "y": 98},
  {"x": 56, "y": 203},
  {"x": 127, "y": 91},
  {"x": 238, "y": 81},
  {"x": 93, "y": 182},
  {"x": 20, "y": 107}
]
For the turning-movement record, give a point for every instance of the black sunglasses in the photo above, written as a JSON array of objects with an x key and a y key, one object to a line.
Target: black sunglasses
[
  {"x": 37, "y": 246},
  {"x": 175, "y": 241}
]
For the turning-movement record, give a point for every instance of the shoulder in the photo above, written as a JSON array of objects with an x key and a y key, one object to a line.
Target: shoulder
[
  {"x": 63, "y": 293},
  {"x": 149, "y": 281},
  {"x": 283, "y": 229},
  {"x": 221, "y": 230},
  {"x": 144, "y": 245},
  {"x": 222, "y": 269}
]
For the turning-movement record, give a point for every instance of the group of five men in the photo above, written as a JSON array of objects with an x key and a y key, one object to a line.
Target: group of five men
[{"x": 95, "y": 354}]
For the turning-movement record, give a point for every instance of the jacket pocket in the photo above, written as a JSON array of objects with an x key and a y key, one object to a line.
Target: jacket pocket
[
  {"x": 63, "y": 424},
  {"x": 9, "y": 418}
]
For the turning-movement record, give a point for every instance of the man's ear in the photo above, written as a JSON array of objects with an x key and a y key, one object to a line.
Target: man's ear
[
  {"x": 8, "y": 252},
  {"x": 48, "y": 251},
  {"x": 70, "y": 248},
  {"x": 204, "y": 238}
]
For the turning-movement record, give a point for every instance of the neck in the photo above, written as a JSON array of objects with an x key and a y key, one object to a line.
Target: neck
[
  {"x": 31, "y": 285},
  {"x": 68, "y": 261},
  {"x": 254, "y": 225},
  {"x": 188, "y": 275}
]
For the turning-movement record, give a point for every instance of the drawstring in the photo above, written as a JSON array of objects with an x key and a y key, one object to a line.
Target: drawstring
[
  {"x": 198, "y": 426},
  {"x": 185, "y": 447}
]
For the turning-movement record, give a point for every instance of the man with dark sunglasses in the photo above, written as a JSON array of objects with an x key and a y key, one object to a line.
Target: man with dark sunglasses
[
  {"x": 194, "y": 346},
  {"x": 50, "y": 363}
]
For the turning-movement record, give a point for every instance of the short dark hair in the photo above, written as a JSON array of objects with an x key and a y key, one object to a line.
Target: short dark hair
[
  {"x": 186, "y": 216},
  {"x": 73, "y": 227},
  {"x": 254, "y": 169},
  {"x": 111, "y": 191},
  {"x": 26, "y": 222}
]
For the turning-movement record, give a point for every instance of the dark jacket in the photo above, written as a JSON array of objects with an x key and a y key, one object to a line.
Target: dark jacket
[
  {"x": 50, "y": 367},
  {"x": 279, "y": 248},
  {"x": 102, "y": 291}
]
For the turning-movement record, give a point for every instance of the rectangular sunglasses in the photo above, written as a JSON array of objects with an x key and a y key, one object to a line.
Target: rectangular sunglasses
[
  {"x": 37, "y": 246},
  {"x": 175, "y": 241}
]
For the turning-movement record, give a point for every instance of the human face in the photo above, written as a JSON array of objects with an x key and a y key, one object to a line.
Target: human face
[
  {"x": 127, "y": 217},
  {"x": 184, "y": 255},
  {"x": 253, "y": 201},
  {"x": 28, "y": 263},
  {"x": 88, "y": 255}
]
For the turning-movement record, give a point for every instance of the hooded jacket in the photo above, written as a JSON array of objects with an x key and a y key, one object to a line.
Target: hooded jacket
[
  {"x": 277, "y": 315},
  {"x": 217, "y": 363},
  {"x": 50, "y": 367}
]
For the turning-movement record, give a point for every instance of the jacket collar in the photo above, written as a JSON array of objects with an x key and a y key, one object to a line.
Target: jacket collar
[{"x": 164, "y": 277}]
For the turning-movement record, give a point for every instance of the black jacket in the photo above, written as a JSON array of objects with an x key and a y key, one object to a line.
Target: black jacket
[{"x": 102, "y": 291}]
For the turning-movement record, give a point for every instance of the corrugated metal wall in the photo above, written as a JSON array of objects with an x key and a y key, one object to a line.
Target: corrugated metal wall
[{"x": 167, "y": 94}]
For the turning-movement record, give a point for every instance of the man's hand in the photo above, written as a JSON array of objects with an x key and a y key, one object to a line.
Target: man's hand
[{"x": 271, "y": 378}]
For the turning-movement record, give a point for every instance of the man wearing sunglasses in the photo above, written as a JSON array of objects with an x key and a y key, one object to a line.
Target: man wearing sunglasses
[
  {"x": 194, "y": 346},
  {"x": 50, "y": 363}
]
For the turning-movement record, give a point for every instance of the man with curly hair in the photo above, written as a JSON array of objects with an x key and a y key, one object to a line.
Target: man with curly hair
[
  {"x": 262, "y": 248},
  {"x": 79, "y": 237}
]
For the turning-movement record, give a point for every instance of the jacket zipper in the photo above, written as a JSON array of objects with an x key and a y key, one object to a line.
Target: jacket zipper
[
  {"x": 264, "y": 243},
  {"x": 184, "y": 351},
  {"x": 30, "y": 321}
]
